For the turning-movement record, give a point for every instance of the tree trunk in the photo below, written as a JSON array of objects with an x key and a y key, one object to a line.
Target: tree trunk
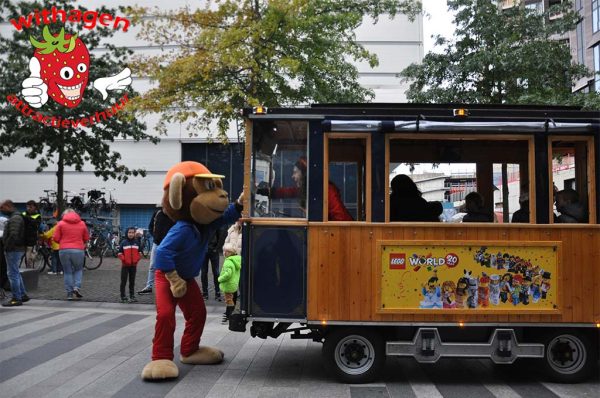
[{"x": 60, "y": 173}]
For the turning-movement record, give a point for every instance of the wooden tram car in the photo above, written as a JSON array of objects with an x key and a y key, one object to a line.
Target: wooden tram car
[{"x": 371, "y": 287}]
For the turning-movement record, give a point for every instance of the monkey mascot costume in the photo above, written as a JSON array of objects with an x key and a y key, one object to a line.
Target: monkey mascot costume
[{"x": 194, "y": 198}]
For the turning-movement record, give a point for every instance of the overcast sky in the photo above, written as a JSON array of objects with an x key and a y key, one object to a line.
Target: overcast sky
[{"x": 437, "y": 20}]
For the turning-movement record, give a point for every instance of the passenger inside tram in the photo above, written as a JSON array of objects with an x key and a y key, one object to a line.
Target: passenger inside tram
[
  {"x": 522, "y": 215},
  {"x": 476, "y": 212},
  {"x": 336, "y": 209},
  {"x": 407, "y": 203},
  {"x": 569, "y": 207}
]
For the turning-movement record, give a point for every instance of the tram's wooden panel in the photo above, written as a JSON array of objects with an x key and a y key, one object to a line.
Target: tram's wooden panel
[{"x": 341, "y": 260}]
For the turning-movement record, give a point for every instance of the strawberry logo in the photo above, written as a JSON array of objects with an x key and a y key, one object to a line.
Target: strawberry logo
[{"x": 64, "y": 63}]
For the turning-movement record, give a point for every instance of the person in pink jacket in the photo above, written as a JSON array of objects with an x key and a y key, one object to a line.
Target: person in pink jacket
[{"x": 72, "y": 235}]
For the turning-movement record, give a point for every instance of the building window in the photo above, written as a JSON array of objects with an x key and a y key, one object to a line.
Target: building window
[
  {"x": 597, "y": 68},
  {"x": 580, "y": 48},
  {"x": 595, "y": 16},
  {"x": 538, "y": 7}
]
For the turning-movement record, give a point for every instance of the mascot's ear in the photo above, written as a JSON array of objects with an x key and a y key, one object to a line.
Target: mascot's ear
[{"x": 176, "y": 191}]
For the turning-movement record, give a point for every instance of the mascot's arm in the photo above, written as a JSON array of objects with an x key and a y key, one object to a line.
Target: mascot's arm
[
  {"x": 230, "y": 215},
  {"x": 178, "y": 285}
]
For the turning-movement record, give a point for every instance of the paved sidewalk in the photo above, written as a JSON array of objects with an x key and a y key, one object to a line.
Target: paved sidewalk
[
  {"x": 52, "y": 348},
  {"x": 102, "y": 284}
]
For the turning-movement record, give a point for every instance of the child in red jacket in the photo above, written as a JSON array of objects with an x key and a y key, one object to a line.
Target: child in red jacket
[{"x": 129, "y": 254}]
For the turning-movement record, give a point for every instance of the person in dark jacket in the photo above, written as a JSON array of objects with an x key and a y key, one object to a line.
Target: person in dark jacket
[
  {"x": 159, "y": 225},
  {"x": 33, "y": 220},
  {"x": 215, "y": 247},
  {"x": 13, "y": 239},
  {"x": 407, "y": 203},
  {"x": 476, "y": 212},
  {"x": 522, "y": 215},
  {"x": 571, "y": 210},
  {"x": 129, "y": 254}
]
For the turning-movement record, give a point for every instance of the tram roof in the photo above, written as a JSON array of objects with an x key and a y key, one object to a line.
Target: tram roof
[
  {"x": 396, "y": 117},
  {"x": 391, "y": 110}
]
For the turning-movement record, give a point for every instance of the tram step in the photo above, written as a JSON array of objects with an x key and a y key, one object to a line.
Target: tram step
[{"x": 427, "y": 347}]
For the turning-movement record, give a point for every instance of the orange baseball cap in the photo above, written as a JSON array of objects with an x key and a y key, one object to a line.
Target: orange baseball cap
[{"x": 189, "y": 169}]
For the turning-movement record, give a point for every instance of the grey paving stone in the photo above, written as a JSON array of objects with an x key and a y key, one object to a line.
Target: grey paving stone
[
  {"x": 197, "y": 383},
  {"x": 41, "y": 372},
  {"x": 19, "y": 364},
  {"x": 42, "y": 327},
  {"x": 253, "y": 380},
  {"x": 278, "y": 392},
  {"x": 368, "y": 392},
  {"x": 227, "y": 384},
  {"x": 125, "y": 380},
  {"x": 244, "y": 357},
  {"x": 266, "y": 353},
  {"x": 50, "y": 338},
  {"x": 14, "y": 318}
]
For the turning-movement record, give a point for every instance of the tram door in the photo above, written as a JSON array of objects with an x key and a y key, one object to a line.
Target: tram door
[{"x": 274, "y": 267}]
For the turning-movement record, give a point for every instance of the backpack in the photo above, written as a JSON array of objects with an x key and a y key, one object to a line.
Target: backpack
[{"x": 31, "y": 230}]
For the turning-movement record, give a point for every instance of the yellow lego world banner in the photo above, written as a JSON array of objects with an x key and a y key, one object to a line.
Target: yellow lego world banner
[{"x": 469, "y": 276}]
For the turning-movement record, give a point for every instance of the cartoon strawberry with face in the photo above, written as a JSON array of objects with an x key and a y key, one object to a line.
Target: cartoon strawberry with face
[
  {"x": 64, "y": 66},
  {"x": 60, "y": 70}
]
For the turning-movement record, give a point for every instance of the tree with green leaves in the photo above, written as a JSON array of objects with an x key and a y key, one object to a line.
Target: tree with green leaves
[
  {"x": 501, "y": 56},
  {"x": 238, "y": 53},
  {"x": 49, "y": 143}
]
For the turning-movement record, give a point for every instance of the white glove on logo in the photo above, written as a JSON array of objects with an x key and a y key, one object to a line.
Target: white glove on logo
[
  {"x": 119, "y": 81},
  {"x": 35, "y": 91}
]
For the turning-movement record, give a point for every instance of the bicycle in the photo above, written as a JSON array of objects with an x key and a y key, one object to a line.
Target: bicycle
[
  {"x": 113, "y": 238},
  {"x": 41, "y": 257},
  {"x": 145, "y": 241},
  {"x": 94, "y": 250}
]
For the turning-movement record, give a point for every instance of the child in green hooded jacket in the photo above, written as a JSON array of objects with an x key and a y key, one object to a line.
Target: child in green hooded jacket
[{"x": 229, "y": 279}]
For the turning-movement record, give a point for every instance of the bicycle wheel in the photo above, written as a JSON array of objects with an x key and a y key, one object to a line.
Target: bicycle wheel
[
  {"x": 90, "y": 261},
  {"x": 41, "y": 259}
]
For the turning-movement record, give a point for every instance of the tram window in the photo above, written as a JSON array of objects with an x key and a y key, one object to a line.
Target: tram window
[
  {"x": 571, "y": 180},
  {"x": 279, "y": 169},
  {"x": 446, "y": 168},
  {"x": 511, "y": 194},
  {"x": 347, "y": 191}
]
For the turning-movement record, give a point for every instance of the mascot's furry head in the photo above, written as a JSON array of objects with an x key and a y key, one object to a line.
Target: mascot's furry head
[{"x": 193, "y": 193}]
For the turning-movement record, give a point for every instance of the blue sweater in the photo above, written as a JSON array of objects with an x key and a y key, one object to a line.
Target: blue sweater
[{"x": 186, "y": 243}]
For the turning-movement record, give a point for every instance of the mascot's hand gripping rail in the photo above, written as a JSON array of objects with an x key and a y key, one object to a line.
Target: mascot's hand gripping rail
[{"x": 194, "y": 198}]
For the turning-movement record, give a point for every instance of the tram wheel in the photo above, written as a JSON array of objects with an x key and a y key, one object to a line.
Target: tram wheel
[
  {"x": 570, "y": 356},
  {"x": 354, "y": 355}
]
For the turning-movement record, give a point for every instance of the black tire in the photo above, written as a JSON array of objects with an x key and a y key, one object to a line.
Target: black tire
[
  {"x": 570, "y": 357},
  {"x": 91, "y": 262},
  {"x": 39, "y": 261},
  {"x": 354, "y": 355}
]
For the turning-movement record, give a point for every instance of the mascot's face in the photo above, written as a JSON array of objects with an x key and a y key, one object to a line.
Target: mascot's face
[{"x": 192, "y": 193}]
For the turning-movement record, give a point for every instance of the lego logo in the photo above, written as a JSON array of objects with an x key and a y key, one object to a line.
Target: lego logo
[{"x": 397, "y": 261}]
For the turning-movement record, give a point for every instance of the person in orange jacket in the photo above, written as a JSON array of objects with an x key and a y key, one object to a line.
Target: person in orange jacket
[{"x": 129, "y": 254}]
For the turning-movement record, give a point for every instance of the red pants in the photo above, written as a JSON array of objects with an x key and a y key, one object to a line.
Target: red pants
[{"x": 194, "y": 311}]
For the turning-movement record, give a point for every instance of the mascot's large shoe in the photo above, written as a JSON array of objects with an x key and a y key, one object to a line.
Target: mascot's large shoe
[
  {"x": 204, "y": 356},
  {"x": 160, "y": 369}
]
